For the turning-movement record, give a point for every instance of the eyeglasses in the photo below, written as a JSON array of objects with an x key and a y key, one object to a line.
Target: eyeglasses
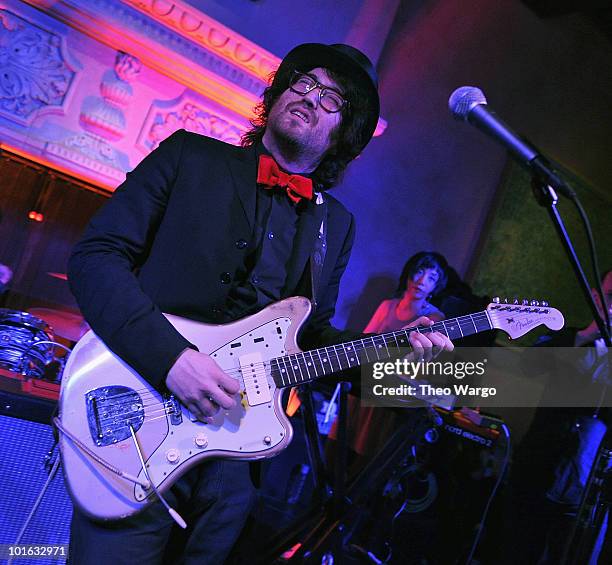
[{"x": 330, "y": 99}]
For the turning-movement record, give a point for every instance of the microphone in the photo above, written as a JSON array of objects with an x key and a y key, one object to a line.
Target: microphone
[{"x": 469, "y": 104}]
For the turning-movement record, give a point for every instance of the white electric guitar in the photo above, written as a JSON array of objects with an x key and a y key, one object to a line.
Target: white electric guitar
[{"x": 113, "y": 422}]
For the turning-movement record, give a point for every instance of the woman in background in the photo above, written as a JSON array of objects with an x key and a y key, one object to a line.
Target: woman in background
[{"x": 424, "y": 275}]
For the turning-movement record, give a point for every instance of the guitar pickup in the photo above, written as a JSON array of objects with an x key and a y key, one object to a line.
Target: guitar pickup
[{"x": 255, "y": 377}]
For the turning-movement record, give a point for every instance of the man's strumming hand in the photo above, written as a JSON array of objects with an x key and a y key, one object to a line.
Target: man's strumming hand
[{"x": 201, "y": 385}]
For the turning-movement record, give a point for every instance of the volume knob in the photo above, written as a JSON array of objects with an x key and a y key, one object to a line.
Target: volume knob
[
  {"x": 173, "y": 455},
  {"x": 201, "y": 440}
]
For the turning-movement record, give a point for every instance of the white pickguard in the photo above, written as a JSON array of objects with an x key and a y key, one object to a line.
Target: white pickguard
[{"x": 251, "y": 427}]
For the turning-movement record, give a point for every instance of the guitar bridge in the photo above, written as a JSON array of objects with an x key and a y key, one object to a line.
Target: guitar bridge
[
  {"x": 111, "y": 410},
  {"x": 173, "y": 409}
]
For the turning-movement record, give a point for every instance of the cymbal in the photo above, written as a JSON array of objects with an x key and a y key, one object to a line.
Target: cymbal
[
  {"x": 61, "y": 276},
  {"x": 64, "y": 324}
]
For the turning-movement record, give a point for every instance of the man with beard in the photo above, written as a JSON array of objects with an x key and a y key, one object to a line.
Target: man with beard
[{"x": 214, "y": 232}]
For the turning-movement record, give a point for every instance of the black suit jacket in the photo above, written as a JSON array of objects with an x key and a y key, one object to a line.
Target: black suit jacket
[{"x": 167, "y": 240}]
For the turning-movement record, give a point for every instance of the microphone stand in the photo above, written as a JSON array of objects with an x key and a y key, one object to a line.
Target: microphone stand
[
  {"x": 593, "y": 499},
  {"x": 546, "y": 196}
]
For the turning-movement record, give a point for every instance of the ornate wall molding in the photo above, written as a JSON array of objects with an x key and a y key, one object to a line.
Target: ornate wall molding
[
  {"x": 122, "y": 27},
  {"x": 189, "y": 112},
  {"x": 64, "y": 102},
  {"x": 104, "y": 115},
  {"x": 35, "y": 75},
  {"x": 180, "y": 42},
  {"x": 90, "y": 153},
  {"x": 210, "y": 34}
]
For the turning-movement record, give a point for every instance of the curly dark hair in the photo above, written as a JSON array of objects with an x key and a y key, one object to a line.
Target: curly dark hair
[
  {"x": 424, "y": 260},
  {"x": 351, "y": 137}
]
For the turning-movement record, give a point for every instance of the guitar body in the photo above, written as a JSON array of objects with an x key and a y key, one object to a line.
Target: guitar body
[{"x": 103, "y": 399}]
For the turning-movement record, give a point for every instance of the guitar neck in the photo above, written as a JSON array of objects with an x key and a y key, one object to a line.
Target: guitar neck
[{"x": 298, "y": 368}]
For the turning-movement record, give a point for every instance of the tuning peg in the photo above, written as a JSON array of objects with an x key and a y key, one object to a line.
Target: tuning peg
[
  {"x": 534, "y": 303},
  {"x": 505, "y": 301},
  {"x": 516, "y": 300},
  {"x": 544, "y": 303},
  {"x": 524, "y": 302},
  {"x": 495, "y": 300}
]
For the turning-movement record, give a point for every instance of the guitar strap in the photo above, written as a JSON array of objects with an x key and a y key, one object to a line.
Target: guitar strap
[{"x": 317, "y": 257}]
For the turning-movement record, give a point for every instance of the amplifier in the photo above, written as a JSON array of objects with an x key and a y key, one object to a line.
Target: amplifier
[{"x": 27, "y": 454}]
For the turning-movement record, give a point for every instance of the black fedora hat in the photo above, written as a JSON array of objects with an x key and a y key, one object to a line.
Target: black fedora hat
[{"x": 345, "y": 59}]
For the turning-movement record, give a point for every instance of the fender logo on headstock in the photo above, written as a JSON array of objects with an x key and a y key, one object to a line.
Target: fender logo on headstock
[{"x": 525, "y": 323}]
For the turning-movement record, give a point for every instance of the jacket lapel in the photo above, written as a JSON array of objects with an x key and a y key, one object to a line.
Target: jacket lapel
[{"x": 243, "y": 170}]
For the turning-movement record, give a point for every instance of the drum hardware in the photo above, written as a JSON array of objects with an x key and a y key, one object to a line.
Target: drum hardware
[
  {"x": 19, "y": 331},
  {"x": 54, "y": 365},
  {"x": 27, "y": 346}
]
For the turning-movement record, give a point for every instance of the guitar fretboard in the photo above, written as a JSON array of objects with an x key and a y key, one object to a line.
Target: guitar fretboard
[{"x": 306, "y": 366}]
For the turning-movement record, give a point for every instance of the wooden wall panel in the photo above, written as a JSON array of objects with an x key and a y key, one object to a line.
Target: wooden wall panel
[{"x": 35, "y": 249}]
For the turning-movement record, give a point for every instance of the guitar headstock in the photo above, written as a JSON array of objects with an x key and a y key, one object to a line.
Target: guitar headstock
[{"x": 518, "y": 318}]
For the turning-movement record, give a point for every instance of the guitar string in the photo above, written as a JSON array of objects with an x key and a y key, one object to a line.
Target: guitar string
[
  {"x": 141, "y": 408},
  {"x": 147, "y": 419},
  {"x": 151, "y": 416},
  {"x": 166, "y": 410},
  {"x": 169, "y": 410},
  {"x": 163, "y": 411},
  {"x": 157, "y": 417},
  {"x": 237, "y": 372},
  {"x": 146, "y": 394},
  {"x": 358, "y": 346}
]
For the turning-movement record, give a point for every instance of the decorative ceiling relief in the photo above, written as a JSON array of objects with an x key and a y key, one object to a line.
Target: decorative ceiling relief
[
  {"x": 190, "y": 113},
  {"x": 103, "y": 119},
  {"x": 63, "y": 104},
  {"x": 90, "y": 152},
  {"x": 34, "y": 75},
  {"x": 104, "y": 115},
  {"x": 209, "y": 33}
]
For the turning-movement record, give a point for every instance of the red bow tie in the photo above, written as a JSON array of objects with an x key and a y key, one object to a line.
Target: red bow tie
[{"x": 270, "y": 175}]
